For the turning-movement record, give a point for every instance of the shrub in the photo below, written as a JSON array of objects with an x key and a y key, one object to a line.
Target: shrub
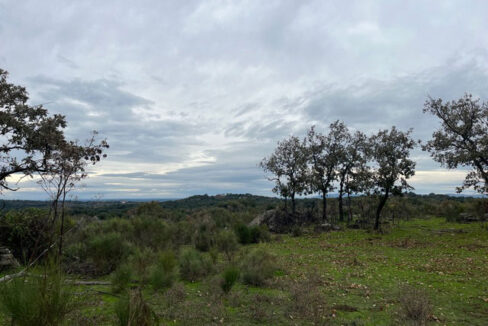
[
  {"x": 41, "y": 300},
  {"x": 306, "y": 299},
  {"x": 150, "y": 232},
  {"x": 296, "y": 231},
  {"x": 229, "y": 278},
  {"x": 203, "y": 238},
  {"x": 226, "y": 242},
  {"x": 107, "y": 251},
  {"x": 252, "y": 234},
  {"x": 258, "y": 266},
  {"x": 133, "y": 310},
  {"x": 121, "y": 278},
  {"x": 164, "y": 273},
  {"x": 243, "y": 234},
  {"x": 27, "y": 232},
  {"x": 415, "y": 305},
  {"x": 141, "y": 260},
  {"x": 194, "y": 265}
]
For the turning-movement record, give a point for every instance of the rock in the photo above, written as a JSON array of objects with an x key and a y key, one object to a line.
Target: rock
[
  {"x": 276, "y": 220},
  {"x": 7, "y": 260},
  {"x": 467, "y": 217},
  {"x": 326, "y": 227}
]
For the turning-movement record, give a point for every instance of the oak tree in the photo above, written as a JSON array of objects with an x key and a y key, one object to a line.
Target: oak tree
[
  {"x": 462, "y": 139},
  {"x": 392, "y": 166}
]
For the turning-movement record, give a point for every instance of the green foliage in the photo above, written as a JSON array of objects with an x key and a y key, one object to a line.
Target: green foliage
[
  {"x": 226, "y": 242},
  {"x": 150, "y": 209},
  {"x": 27, "y": 232},
  {"x": 133, "y": 310},
  {"x": 150, "y": 231},
  {"x": 258, "y": 266},
  {"x": 165, "y": 272},
  {"x": 296, "y": 231},
  {"x": 107, "y": 251},
  {"x": 122, "y": 278},
  {"x": 41, "y": 300},
  {"x": 194, "y": 265},
  {"x": 229, "y": 277},
  {"x": 204, "y": 236},
  {"x": 252, "y": 234},
  {"x": 141, "y": 260}
]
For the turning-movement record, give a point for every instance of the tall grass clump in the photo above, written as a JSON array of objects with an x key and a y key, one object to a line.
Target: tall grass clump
[
  {"x": 194, "y": 265},
  {"x": 133, "y": 310},
  {"x": 415, "y": 305},
  {"x": 41, "y": 300},
  {"x": 229, "y": 277},
  {"x": 258, "y": 266},
  {"x": 122, "y": 278},
  {"x": 165, "y": 272},
  {"x": 251, "y": 234}
]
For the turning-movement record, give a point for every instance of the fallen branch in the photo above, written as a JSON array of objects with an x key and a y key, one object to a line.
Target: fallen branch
[{"x": 75, "y": 282}]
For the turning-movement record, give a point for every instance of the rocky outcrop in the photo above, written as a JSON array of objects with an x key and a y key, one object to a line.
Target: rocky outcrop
[
  {"x": 276, "y": 220},
  {"x": 7, "y": 260}
]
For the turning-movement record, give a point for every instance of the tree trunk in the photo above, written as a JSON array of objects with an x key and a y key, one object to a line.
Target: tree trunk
[
  {"x": 380, "y": 207},
  {"x": 61, "y": 231},
  {"x": 341, "y": 208},
  {"x": 324, "y": 206},
  {"x": 293, "y": 206},
  {"x": 350, "y": 207}
]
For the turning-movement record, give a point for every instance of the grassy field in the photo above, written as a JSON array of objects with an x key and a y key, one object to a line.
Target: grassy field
[{"x": 350, "y": 277}]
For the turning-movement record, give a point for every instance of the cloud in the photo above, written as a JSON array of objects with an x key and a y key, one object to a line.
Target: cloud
[{"x": 191, "y": 95}]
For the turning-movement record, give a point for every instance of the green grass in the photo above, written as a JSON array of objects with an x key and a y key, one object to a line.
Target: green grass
[{"x": 360, "y": 275}]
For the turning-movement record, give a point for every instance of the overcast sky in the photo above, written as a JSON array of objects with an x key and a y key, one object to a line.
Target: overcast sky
[{"x": 191, "y": 95}]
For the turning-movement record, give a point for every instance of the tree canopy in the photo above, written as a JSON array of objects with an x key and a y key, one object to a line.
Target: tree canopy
[{"x": 462, "y": 139}]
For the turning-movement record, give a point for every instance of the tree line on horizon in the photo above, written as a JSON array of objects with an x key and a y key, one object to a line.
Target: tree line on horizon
[{"x": 379, "y": 165}]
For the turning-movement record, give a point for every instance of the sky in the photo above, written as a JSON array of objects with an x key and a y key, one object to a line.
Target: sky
[{"x": 191, "y": 95}]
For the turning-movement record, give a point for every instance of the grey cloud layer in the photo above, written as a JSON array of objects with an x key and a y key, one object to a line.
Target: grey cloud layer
[{"x": 191, "y": 95}]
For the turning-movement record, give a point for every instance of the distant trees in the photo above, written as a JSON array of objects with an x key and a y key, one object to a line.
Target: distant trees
[
  {"x": 352, "y": 162},
  {"x": 462, "y": 139}
]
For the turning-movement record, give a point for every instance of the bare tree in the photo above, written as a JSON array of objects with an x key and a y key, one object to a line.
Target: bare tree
[
  {"x": 67, "y": 167},
  {"x": 390, "y": 153},
  {"x": 462, "y": 139},
  {"x": 288, "y": 166}
]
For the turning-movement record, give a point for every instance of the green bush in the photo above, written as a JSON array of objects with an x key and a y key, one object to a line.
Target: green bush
[
  {"x": 229, "y": 278},
  {"x": 296, "y": 231},
  {"x": 41, "y": 300},
  {"x": 226, "y": 242},
  {"x": 194, "y": 265},
  {"x": 165, "y": 272},
  {"x": 107, "y": 251},
  {"x": 203, "y": 239},
  {"x": 258, "y": 266},
  {"x": 133, "y": 310},
  {"x": 151, "y": 232},
  {"x": 122, "y": 278},
  {"x": 141, "y": 260},
  {"x": 27, "y": 232},
  {"x": 243, "y": 234},
  {"x": 251, "y": 234}
]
